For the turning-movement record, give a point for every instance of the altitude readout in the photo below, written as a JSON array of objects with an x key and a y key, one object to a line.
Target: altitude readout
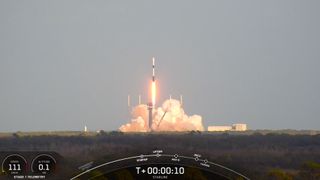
[
  {"x": 43, "y": 164},
  {"x": 165, "y": 170}
]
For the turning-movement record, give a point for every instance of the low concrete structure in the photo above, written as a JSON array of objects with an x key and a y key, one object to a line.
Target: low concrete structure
[{"x": 239, "y": 127}]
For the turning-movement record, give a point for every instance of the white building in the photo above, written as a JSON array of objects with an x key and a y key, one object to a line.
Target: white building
[{"x": 239, "y": 127}]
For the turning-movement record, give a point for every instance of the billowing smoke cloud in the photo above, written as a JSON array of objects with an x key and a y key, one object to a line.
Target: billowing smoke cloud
[{"x": 169, "y": 117}]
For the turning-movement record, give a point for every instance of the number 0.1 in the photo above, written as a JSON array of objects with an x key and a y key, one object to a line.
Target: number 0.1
[{"x": 44, "y": 167}]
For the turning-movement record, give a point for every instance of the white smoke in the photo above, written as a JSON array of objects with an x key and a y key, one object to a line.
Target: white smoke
[{"x": 169, "y": 117}]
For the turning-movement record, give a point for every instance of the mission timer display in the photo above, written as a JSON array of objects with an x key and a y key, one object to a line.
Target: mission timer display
[
  {"x": 159, "y": 165},
  {"x": 162, "y": 170}
]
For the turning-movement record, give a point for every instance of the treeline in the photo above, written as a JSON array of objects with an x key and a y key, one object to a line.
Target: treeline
[{"x": 259, "y": 156}]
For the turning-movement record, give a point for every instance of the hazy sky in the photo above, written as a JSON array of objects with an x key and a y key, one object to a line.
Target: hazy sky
[{"x": 66, "y": 64}]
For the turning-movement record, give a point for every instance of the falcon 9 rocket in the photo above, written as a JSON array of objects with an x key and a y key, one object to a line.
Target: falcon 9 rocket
[{"x": 152, "y": 104}]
